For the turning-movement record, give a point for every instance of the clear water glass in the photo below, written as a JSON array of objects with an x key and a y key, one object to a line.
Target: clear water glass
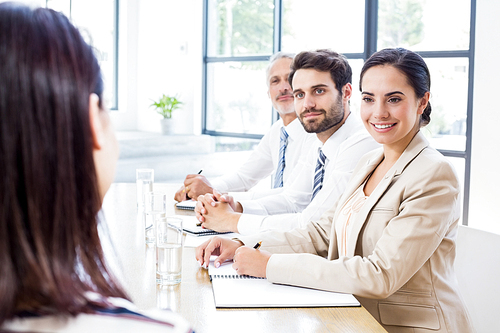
[
  {"x": 144, "y": 179},
  {"x": 155, "y": 207},
  {"x": 169, "y": 244}
]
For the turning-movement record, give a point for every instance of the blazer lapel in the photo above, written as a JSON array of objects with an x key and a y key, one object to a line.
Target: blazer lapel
[
  {"x": 357, "y": 179},
  {"x": 359, "y": 176},
  {"x": 417, "y": 144}
]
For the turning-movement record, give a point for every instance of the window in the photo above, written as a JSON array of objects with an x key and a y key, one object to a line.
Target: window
[
  {"x": 448, "y": 50},
  {"x": 241, "y": 35},
  {"x": 98, "y": 23},
  {"x": 240, "y": 38}
]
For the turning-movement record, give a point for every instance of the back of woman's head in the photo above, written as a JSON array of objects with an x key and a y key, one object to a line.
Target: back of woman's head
[
  {"x": 411, "y": 65},
  {"x": 50, "y": 254}
]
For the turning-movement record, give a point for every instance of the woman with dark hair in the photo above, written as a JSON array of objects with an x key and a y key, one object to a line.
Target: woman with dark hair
[
  {"x": 390, "y": 239},
  {"x": 58, "y": 156}
]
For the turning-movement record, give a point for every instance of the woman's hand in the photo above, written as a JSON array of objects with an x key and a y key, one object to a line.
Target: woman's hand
[
  {"x": 223, "y": 248},
  {"x": 248, "y": 261}
]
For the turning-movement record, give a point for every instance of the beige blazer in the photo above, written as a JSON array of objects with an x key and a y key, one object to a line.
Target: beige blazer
[{"x": 400, "y": 254}]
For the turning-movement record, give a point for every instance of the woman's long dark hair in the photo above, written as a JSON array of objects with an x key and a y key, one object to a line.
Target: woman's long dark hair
[{"x": 50, "y": 252}]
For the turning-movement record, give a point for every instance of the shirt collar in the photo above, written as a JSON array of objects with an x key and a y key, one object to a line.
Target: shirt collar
[
  {"x": 294, "y": 128},
  {"x": 351, "y": 125}
]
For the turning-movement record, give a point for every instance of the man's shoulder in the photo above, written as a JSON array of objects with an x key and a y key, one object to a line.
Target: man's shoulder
[
  {"x": 356, "y": 134},
  {"x": 272, "y": 135},
  {"x": 276, "y": 125},
  {"x": 275, "y": 128},
  {"x": 352, "y": 137}
]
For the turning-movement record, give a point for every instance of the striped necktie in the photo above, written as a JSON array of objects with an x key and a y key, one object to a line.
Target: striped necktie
[
  {"x": 318, "y": 174},
  {"x": 278, "y": 178}
]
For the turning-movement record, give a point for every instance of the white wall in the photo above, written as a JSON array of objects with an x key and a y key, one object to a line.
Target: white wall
[
  {"x": 160, "y": 52},
  {"x": 485, "y": 162}
]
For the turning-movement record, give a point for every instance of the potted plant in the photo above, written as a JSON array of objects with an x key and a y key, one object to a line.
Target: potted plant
[{"x": 164, "y": 106}]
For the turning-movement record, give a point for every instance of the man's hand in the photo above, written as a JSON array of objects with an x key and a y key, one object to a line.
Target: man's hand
[
  {"x": 194, "y": 186},
  {"x": 222, "y": 247},
  {"x": 216, "y": 214},
  {"x": 211, "y": 199},
  {"x": 180, "y": 195}
]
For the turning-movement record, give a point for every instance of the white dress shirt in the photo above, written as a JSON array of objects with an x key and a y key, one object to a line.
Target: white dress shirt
[
  {"x": 264, "y": 161},
  {"x": 293, "y": 206}
]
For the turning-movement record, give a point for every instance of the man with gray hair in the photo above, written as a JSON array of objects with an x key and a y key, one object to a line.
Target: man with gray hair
[{"x": 277, "y": 153}]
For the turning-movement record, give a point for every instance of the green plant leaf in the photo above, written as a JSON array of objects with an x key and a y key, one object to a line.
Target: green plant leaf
[{"x": 166, "y": 104}]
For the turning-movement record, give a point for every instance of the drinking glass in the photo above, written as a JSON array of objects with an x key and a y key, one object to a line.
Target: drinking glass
[
  {"x": 155, "y": 207},
  {"x": 169, "y": 250},
  {"x": 168, "y": 297},
  {"x": 144, "y": 179}
]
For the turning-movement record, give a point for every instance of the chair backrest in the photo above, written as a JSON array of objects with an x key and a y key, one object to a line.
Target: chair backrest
[{"x": 477, "y": 266}]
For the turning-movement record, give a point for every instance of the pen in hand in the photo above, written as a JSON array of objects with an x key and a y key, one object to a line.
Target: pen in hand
[
  {"x": 187, "y": 187},
  {"x": 257, "y": 246},
  {"x": 198, "y": 224}
]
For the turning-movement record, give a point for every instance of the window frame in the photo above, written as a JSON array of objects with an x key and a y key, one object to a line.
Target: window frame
[
  {"x": 370, "y": 47},
  {"x": 116, "y": 19}
]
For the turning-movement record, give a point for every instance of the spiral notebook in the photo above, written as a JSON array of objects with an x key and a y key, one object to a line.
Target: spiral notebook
[
  {"x": 186, "y": 205},
  {"x": 239, "y": 291}
]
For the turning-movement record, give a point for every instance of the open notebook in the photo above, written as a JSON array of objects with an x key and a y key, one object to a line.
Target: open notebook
[{"x": 237, "y": 291}]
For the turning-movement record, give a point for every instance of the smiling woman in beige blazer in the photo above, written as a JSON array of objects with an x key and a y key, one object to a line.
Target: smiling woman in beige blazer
[{"x": 390, "y": 239}]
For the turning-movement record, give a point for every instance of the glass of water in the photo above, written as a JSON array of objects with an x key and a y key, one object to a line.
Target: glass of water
[
  {"x": 169, "y": 250},
  {"x": 155, "y": 207},
  {"x": 144, "y": 179}
]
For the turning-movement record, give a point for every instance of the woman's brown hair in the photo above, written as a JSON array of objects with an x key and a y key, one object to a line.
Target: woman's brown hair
[{"x": 50, "y": 251}]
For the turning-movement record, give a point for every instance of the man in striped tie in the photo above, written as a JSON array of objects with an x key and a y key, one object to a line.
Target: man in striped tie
[
  {"x": 278, "y": 151},
  {"x": 321, "y": 82}
]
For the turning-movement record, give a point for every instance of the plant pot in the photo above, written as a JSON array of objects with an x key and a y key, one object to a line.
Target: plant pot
[{"x": 167, "y": 126}]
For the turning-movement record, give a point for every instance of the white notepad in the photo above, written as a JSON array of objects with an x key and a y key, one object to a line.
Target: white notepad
[
  {"x": 186, "y": 205},
  {"x": 236, "y": 291}
]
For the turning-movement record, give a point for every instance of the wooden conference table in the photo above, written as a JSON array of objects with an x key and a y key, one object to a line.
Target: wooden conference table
[{"x": 193, "y": 297}]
